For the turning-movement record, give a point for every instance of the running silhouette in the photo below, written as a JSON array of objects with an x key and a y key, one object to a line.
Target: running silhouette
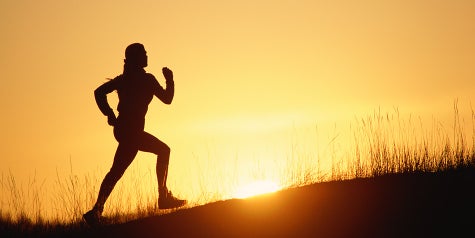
[{"x": 135, "y": 89}]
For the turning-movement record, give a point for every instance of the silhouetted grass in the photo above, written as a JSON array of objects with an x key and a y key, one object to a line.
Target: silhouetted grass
[
  {"x": 382, "y": 144},
  {"x": 386, "y": 144}
]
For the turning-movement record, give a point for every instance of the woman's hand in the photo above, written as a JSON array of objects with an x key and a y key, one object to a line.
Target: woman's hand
[
  {"x": 167, "y": 73},
  {"x": 111, "y": 119}
]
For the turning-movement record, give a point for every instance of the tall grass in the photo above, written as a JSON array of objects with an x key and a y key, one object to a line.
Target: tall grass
[
  {"x": 69, "y": 196},
  {"x": 387, "y": 143},
  {"x": 378, "y": 144}
]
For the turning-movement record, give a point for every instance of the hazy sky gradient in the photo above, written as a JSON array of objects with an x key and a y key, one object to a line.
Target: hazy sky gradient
[{"x": 241, "y": 67}]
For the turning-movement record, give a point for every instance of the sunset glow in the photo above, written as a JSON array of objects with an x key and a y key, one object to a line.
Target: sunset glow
[{"x": 256, "y": 188}]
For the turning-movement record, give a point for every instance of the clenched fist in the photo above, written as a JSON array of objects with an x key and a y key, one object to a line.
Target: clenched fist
[{"x": 167, "y": 73}]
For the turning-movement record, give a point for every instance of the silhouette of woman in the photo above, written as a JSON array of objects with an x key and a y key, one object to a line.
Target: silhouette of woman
[{"x": 135, "y": 89}]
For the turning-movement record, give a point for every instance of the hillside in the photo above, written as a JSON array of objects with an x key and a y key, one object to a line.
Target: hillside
[{"x": 398, "y": 205}]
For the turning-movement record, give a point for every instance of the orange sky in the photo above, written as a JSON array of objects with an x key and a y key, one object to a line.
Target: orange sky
[{"x": 242, "y": 69}]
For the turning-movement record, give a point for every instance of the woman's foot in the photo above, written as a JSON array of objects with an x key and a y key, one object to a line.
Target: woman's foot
[
  {"x": 166, "y": 200},
  {"x": 92, "y": 218}
]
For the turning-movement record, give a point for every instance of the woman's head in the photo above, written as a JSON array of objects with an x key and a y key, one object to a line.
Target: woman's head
[{"x": 136, "y": 56}]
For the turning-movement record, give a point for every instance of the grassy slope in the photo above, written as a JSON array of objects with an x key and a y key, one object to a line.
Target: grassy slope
[{"x": 399, "y": 205}]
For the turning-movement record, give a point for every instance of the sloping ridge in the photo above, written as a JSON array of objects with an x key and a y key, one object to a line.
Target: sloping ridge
[{"x": 414, "y": 205}]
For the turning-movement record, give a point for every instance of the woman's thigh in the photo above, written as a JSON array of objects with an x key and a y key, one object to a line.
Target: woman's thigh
[
  {"x": 150, "y": 143},
  {"x": 124, "y": 156}
]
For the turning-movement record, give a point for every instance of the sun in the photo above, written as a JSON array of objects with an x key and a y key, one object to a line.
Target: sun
[{"x": 256, "y": 188}]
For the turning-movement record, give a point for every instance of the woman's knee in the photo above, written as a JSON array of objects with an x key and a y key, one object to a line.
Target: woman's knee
[
  {"x": 114, "y": 174},
  {"x": 166, "y": 149},
  {"x": 150, "y": 143},
  {"x": 162, "y": 149}
]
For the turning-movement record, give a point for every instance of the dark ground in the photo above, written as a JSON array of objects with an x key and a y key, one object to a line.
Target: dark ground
[
  {"x": 414, "y": 205},
  {"x": 399, "y": 205}
]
